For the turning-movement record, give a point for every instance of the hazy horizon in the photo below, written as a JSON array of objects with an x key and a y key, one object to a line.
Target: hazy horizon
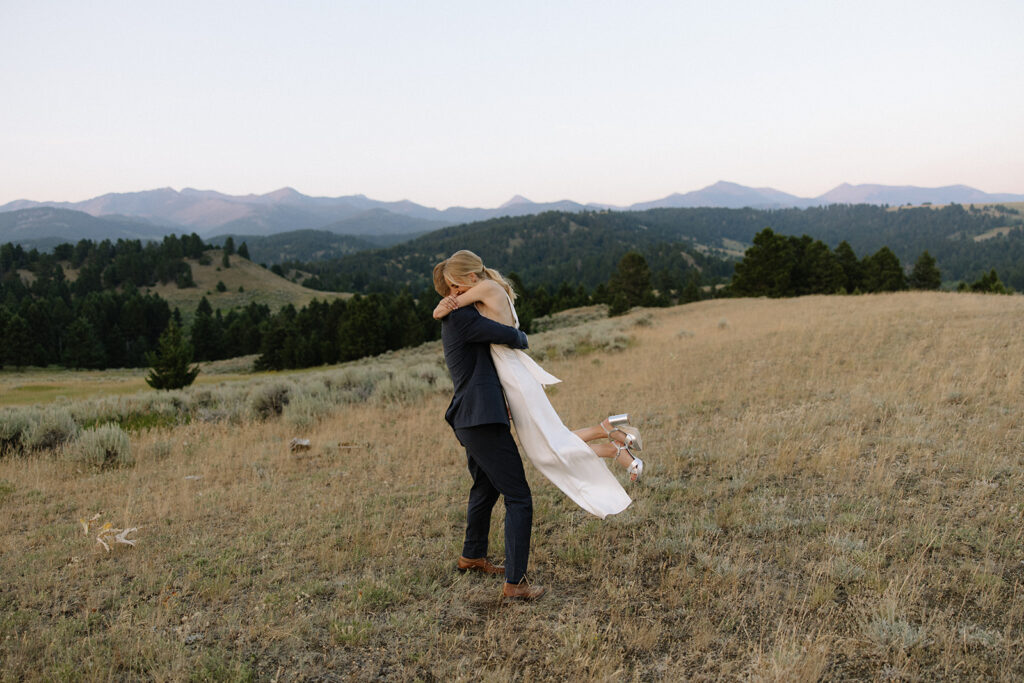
[
  {"x": 457, "y": 104},
  {"x": 510, "y": 200}
]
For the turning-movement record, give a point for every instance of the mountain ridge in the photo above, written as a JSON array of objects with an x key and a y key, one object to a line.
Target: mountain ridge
[{"x": 208, "y": 212}]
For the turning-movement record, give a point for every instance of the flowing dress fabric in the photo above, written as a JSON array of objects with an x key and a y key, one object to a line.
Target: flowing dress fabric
[{"x": 561, "y": 456}]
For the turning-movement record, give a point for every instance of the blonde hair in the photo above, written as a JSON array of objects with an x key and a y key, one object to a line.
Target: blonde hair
[{"x": 457, "y": 268}]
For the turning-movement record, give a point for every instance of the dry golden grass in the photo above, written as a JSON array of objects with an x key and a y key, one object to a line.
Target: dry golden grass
[
  {"x": 832, "y": 491},
  {"x": 38, "y": 386},
  {"x": 994, "y": 232},
  {"x": 259, "y": 284}
]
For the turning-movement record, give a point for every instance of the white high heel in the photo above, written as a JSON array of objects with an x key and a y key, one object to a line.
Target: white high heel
[
  {"x": 634, "y": 468},
  {"x": 620, "y": 423}
]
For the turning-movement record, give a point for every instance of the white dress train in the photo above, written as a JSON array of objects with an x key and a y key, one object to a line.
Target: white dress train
[{"x": 561, "y": 456}]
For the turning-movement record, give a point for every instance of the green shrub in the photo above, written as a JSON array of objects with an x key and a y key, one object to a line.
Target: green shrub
[
  {"x": 608, "y": 335},
  {"x": 103, "y": 447},
  {"x": 51, "y": 428},
  {"x": 643, "y": 320},
  {"x": 401, "y": 389},
  {"x": 306, "y": 410},
  {"x": 13, "y": 426},
  {"x": 570, "y": 318},
  {"x": 357, "y": 382},
  {"x": 435, "y": 375},
  {"x": 269, "y": 400}
]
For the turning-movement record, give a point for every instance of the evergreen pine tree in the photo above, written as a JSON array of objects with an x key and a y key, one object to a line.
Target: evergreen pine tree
[
  {"x": 229, "y": 249},
  {"x": 184, "y": 278},
  {"x": 206, "y": 333},
  {"x": 362, "y": 332},
  {"x": 925, "y": 274},
  {"x": 3, "y": 333},
  {"x": 853, "y": 272},
  {"x": 766, "y": 268},
  {"x": 18, "y": 344},
  {"x": 632, "y": 278},
  {"x": 272, "y": 345},
  {"x": 243, "y": 251},
  {"x": 820, "y": 269},
  {"x": 692, "y": 291},
  {"x": 170, "y": 363},
  {"x": 82, "y": 346},
  {"x": 883, "y": 272},
  {"x": 989, "y": 284}
]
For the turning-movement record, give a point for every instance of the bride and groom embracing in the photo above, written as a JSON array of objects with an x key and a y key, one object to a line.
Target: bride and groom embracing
[{"x": 493, "y": 379}]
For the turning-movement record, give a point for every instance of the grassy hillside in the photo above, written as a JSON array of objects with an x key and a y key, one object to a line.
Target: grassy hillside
[
  {"x": 832, "y": 491},
  {"x": 258, "y": 285}
]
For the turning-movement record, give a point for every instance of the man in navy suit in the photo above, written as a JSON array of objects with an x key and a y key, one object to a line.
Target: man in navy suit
[{"x": 480, "y": 418}]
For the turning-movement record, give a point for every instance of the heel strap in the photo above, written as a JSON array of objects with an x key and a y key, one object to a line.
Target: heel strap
[
  {"x": 628, "y": 439},
  {"x": 615, "y": 421}
]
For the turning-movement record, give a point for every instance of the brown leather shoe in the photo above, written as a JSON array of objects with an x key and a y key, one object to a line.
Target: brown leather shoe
[
  {"x": 480, "y": 564},
  {"x": 521, "y": 591}
]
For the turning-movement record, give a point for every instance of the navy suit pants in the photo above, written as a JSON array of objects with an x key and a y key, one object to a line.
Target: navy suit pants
[{"x": 497, "y": 469}]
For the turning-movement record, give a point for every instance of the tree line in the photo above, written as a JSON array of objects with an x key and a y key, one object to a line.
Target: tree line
[
  {"x": 548, "y": 249},
  {"x": 326, "y": 333},
  {"x": 784, "y": 266},
  {"x": 583, "y": 248},
  {"x": 100, "y": 319}
]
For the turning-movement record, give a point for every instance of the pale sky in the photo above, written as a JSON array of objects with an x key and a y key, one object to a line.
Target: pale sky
[{"x": 468, "y": 103}]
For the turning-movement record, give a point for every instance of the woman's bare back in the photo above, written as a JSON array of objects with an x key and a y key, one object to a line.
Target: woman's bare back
[{"x": 494, "y": 303}]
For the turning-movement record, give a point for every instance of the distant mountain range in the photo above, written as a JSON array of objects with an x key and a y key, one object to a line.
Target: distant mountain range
[
  {"x": 153, "y": 213},
  {"x": 47, "y": 226}
]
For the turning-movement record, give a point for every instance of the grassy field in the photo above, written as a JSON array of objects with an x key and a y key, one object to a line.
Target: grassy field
[
  {"x": 259, "y": 285},
  {"x": 34, "y": 386},
  {"x": 833, "y": 491}
]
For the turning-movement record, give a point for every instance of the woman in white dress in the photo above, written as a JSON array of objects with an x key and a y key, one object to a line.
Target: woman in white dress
[{"x": 561, "y": 455}]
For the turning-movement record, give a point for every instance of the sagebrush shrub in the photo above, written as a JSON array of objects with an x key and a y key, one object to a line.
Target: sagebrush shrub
[
  {"x": 51, "y": 428},
  {"x": 570, "y": 318},
  {"x": 357, "y": 381},
  {"x": 13, "y": 427},
  {"x": 602, "y": 336},
  {"x": 643, "y": 320},
  {"x": 269, "y": 400},
  {"x": 307, "y": 409},
  {"x": 401, "y": 388},
  {"x": 103, "y": 447},
  {"x": 434, "y": 374}
]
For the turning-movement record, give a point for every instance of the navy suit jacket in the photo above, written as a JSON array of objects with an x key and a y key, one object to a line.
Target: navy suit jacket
[{"x": 467, "y": 338}]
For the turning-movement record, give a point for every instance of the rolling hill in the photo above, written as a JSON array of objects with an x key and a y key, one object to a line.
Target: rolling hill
[
  {"x": 245, "y": 282},
  {"x": 584, "y": 248}
]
